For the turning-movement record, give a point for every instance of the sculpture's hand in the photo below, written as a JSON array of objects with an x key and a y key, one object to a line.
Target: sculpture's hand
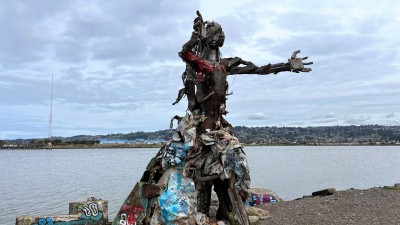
[{"x": 297, "y": 64}]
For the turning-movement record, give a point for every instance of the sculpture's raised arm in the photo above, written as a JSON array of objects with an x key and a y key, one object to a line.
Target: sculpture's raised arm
[{"x": 237, "y": 65}]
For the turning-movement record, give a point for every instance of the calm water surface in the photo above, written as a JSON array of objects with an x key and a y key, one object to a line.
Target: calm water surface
[{"x": 44, "y": 182}]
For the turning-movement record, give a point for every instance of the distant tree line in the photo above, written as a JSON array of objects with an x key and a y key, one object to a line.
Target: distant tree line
[
  {"x": 364, "y": 134},
  {"x": 54, "y": 142}
]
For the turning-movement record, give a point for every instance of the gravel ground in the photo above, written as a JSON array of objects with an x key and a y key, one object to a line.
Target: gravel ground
[{"x": 372, "y": 206}]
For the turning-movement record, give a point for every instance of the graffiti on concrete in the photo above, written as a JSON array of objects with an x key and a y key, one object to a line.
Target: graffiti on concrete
[
  {"x": 131, "y": 214},
  {"x": 123, "y": 220},
  {"x": 45, "y": 221},
  {"x": 91, "y": 212},
  {"x": 91, "y": 209},
  {"x": 84, "y": 220},
  {"x": 126, "y": 221},
  {"x": 50, "y": 221}
]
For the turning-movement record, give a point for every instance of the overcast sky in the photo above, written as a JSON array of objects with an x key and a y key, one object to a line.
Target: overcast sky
[{"x": 116, "y": 67}]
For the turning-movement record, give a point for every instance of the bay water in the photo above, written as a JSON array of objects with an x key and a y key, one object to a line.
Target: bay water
[{"x": 42, "y": 182}]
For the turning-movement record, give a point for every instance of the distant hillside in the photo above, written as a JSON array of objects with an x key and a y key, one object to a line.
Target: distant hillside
[
  {"x": 156, "y": 135},
  {"x": 365, "y": 134}
]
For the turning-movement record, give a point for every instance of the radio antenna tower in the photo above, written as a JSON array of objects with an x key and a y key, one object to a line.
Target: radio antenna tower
[{"x": 51, "y": 117}]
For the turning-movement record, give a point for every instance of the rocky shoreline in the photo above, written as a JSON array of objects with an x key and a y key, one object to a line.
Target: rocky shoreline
[
  {"x": 380, "y": 205},
  {"x": 375, "y": 206}
]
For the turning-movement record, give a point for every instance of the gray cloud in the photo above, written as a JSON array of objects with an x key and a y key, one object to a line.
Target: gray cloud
[
  {"x": 116, "y": 67},
  {"x": 355, "y": 120},
  {"x": 389, "y": 116},
  {"x": 257, "y": 116}
]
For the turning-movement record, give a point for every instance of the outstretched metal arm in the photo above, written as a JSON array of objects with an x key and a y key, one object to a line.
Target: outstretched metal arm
[{"x": 238, "y": 66}]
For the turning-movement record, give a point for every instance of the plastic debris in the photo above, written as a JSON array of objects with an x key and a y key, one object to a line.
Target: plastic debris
[
  {"x": 259, "y": 199},
  {"x": 178, "y": 201}
]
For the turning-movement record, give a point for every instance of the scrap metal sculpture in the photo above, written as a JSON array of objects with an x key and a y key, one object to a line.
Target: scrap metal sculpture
[{"x": 203, "y": 152}]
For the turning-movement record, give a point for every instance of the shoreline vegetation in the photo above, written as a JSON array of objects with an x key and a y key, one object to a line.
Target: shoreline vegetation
[
  {"x": 133, "y": 146},
  {"x": 363, "y": 135},
  {"x": 108, "y": 146},
  {"x": 159, "y": 145}
]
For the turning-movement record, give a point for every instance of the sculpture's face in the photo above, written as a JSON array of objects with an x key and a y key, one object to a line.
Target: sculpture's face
[{"x": 215, "y": 35}]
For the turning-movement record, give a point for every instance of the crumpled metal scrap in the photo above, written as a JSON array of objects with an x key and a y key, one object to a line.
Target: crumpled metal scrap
[
  {"x": 183, "y": 140},
  {"x": 236, "y": 162},
  {"x": 227, "y": 157},
  {"x": 178, "y": 201}
]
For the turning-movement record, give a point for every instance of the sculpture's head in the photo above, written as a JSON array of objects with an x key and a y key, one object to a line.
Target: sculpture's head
[
  {"x": 215, "y": 37},
  {"x": 209, "y": 38}
]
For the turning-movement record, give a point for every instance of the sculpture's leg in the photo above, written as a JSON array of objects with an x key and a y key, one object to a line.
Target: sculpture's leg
[
  {"x": 237, "y": 203},
  {"x": 225, "y": 206},
  {"x": 204, "y": 197}
]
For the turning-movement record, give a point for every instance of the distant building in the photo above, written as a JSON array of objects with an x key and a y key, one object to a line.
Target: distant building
[
  {"x": 126, "y": 141},
  {"x": 114, "y": 141}
]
